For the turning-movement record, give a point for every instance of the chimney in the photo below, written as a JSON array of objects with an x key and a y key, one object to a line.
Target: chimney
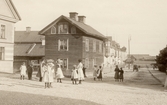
[
  {"x": 73, "y": 15},
  {"x": 28, "y": 29},
  {"x": 81, "y": 19}
]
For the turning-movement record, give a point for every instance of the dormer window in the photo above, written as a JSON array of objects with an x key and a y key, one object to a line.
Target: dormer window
[
  {"x": 53, "y": 30},
  {"x": 73, "y": 30},
  {"x": 63, "y": 28}
]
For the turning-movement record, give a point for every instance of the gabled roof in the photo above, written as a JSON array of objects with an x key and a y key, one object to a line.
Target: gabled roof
[
  {"x": 8, "y": 5},
  {"x": 23, "y": 36},
  {"x": 82, "y": 26},
  {"x": 21, "y": 50}
]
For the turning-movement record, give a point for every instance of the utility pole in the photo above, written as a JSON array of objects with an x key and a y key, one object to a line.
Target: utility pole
[{"x": 129, "y": 38}]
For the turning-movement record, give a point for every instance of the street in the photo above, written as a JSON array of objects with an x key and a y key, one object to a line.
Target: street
[{"x": 138, "y": 88}]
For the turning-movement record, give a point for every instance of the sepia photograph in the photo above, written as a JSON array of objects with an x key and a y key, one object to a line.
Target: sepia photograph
[{"x": 83, "y": 52}]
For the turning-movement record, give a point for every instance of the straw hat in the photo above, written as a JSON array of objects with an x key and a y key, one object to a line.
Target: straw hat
[{"x": 49, "y": 60}]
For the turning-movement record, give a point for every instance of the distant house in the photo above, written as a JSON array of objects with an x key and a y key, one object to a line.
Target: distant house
[
  {"x": 114, "y": 54},
  {"x": 8, "y": 17},
  {"x": 70, "y": 39},
  {"x": 28, "y": 47},
  {"x": 143, "y": 60}
]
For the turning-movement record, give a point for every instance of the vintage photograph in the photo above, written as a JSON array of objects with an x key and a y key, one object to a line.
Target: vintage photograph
[{"x": 83, "y": 52}]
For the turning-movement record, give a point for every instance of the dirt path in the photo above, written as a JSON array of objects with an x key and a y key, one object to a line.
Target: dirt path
[{"x": 139, "y": 88}]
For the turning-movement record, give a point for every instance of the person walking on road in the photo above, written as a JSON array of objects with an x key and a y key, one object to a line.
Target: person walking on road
[
  {"x": 116, "y": 73},
  {"x": 80, "y": 71},
  {"x": 23, "y": 70},
  {"x": 121, "y": 75}
]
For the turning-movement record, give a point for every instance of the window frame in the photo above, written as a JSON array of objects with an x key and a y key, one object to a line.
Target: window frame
[
  {"x": 86, "y": 44},
  {"x": 63, "y": 23},
  {"x": 86, "y": 62},
  {"x": 59, "y": 41},
  {"x": 100, "y": 47},
  {"x": 2, "y": 54},
  {"x": 94, "y": 46},
  {"x": 4, "y": 36},
  {"x": 63, "y": 59},
  {"x": 94, "y": 61},
  {"x": 53, "y": 27},
  {"x": 74, "y": 29}
]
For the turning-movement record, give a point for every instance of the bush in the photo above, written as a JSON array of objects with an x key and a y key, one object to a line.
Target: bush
[{"x": 161, "y": 60}]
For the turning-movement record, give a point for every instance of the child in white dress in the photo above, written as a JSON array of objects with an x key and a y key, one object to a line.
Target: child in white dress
[
  {"x": 23, "y": 70},
  {"x": 74, "y": 75},
  {"x": 59, "y": 73}
]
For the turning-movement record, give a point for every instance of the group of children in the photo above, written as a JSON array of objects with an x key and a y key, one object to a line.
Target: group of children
[
  {"x": 97, "y": 72},
  {"x": 77, "y": 73}
]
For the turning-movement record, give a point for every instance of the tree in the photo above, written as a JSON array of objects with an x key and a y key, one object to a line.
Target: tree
[{"x": 161, "y": 60}]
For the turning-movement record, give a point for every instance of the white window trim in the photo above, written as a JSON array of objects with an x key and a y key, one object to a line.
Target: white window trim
[
  {"x": 100, "y": 47},
  {"x": 87, "y": 45},
  {"x": 63, "y": 62},
  {"x": 94, "y": 46},
  {"x": 5, "y": 30},
  {"x": 52, "y": 31},
  {"x": 72, "y": 31},
  {"x": 3, "y": 55},
  {"x": 94, "y": 62},
  {"x": 63, "y": 26},
  {"x": 67, "y": 45},
  {"x": 87, "y": 62}
]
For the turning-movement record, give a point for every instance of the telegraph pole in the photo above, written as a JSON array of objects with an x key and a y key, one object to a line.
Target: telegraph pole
[{"x": 129, "y": 38}]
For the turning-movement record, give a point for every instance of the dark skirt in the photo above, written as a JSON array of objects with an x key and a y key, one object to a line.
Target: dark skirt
[
  {"x": 116, "y": 75},
  {"x": 100, "y": 75}
]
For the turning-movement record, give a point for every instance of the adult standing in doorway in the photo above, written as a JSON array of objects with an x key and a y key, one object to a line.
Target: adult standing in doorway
[
  {"x": 80, "y": 71},
  {"x": 30, "y": 70}
]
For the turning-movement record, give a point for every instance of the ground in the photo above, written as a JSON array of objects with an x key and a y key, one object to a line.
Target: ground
[{"x": 139, "y": 88}]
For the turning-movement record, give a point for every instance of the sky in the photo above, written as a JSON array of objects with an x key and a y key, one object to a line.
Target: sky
[{"x": 145, "y": 21}]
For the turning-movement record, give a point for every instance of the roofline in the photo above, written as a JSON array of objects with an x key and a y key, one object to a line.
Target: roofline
[
  {"x": 13, "y": 9},
  {"x": 64, "y": 17}
]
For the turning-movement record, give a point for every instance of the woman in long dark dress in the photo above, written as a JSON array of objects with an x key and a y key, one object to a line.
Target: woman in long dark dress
[
  {"x": 100, "y": 73},
  {"x": 116, "y": 73},
  {"x": 121, "y": 75}
]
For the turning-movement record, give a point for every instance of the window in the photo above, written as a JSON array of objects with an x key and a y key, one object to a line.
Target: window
[
  {"x": 65, "y": 63},
  {"x": 87, "y": 45},
  {"x": 73, "y": 30},
  {"x": 63, "y": 45},
  {"x": 94, "y": 62},
  {"x": 2, "y": 53},
  {"x": 87, "y": 62},
  {"x": 53, "y": 30},
  {"x": 2, "y": 34},
  {"x": 63, "y": 28},
  {"x": 94, "y": 46},
  {"x": 100, "y": 47}
]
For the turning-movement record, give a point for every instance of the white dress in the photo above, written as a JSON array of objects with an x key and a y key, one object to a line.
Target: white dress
[
  {"x": 80, "y": 71},
  {"x": 23, "y": 70},
  {"x": 45, "y": 74},
  {"x": 74, "y": 74},
  {"x": 59, "y": 73}
]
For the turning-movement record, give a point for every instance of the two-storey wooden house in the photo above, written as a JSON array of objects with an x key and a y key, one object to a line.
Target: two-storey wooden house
[
  {"x": 8, "y": 17},
  {"x": 70, "y": 39}
]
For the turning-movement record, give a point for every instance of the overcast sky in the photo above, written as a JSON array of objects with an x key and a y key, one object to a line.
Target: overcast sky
[{"x": 144, "y": 20}]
